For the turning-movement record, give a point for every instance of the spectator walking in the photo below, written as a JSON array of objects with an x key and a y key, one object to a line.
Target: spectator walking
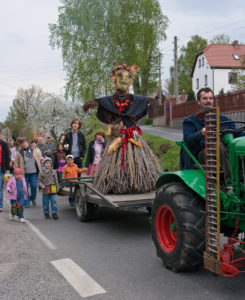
[
  {"x": 75, "y": 143},
  {"x": 4, "y": 165},
  {"x": 17, "y": 144},
  {"x": 12, "y": 155},
  {"x": 50, "y": 145},
  {"x": 34, "y": 146},
  {"x": 59, "y": 161},
  {"x": 28, "y": 160},
  {"x": 17, "y": 192},
  {"x": 51, "y": 148},
  {"x": 46, "y": 178},
  {"x": 95, "y": 151},
  {"x": 71, "y": 170},
  {"x": 43, "y": 147}
]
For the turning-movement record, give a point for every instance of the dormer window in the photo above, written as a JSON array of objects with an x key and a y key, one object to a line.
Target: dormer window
[{"x": 236, "y": 56}]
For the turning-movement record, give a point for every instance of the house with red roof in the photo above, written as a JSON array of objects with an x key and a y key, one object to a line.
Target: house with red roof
[{"x": 215, "y": 67}]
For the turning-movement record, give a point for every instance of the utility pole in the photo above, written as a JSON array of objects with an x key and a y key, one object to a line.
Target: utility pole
[
  {"x": 176, "y": 83},
  {"x": 160, "y": 78}
]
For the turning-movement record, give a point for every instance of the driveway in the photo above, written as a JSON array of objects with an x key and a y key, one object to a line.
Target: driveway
[{"x": 168, "y": 133}]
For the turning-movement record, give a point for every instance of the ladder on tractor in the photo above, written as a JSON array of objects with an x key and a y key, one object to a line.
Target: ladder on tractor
[{"x": 212, "y": 153}]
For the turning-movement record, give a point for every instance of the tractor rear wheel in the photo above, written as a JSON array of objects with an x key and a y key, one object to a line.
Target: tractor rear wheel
[{"x": 178, "y": 227}]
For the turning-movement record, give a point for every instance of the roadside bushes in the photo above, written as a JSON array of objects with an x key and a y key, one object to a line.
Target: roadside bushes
[{"x": 149, "y": 121}]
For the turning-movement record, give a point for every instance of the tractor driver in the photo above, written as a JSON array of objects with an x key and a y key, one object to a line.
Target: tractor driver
[{"x": 194, "y": 134}]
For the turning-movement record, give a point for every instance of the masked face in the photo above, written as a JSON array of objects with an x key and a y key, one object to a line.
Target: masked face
[{"x": 123, "y": 80}]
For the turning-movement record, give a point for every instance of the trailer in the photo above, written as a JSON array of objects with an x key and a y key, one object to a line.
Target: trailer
[{"x": 88, "y": 198}]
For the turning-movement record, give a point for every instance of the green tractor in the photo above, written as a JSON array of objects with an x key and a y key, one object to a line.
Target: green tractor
[{"x": 195, "y": 210}]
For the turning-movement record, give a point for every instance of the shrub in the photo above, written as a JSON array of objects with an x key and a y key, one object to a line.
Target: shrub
[{"x": 148, "y": 121}]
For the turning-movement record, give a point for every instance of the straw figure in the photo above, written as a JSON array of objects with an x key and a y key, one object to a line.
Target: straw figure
[{"x": 127, "y": 164}]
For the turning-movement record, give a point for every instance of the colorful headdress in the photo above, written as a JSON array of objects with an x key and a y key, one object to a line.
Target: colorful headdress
[{"x": 131, "y": 69}]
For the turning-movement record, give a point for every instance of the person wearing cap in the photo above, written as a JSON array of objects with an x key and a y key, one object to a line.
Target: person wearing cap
[
  {"x": 46, "y": 178},
  {"x": 28, "y": 160},
  {"x": 4, "y": 165},
  {"x": 71, "y": 170},
  {"x": 75, "y": 143},
  {"x": 17, "y": 192}
]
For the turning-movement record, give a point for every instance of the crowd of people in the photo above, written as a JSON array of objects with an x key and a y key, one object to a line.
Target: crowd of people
[{"x": 41, "y": 164}]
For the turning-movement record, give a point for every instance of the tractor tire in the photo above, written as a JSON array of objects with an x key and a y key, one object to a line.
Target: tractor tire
[
  {"x": 84, "y": 209},
  {"x": 178, "y": 227}
]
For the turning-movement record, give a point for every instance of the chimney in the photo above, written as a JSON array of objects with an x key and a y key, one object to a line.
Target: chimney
[{"x": 235, "y": 44}]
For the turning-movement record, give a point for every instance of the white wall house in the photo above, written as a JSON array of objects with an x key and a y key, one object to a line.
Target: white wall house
[{"x": 214, "y": 67}]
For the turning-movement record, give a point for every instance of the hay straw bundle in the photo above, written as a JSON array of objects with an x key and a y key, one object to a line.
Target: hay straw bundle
[{"x": 140, "y": 173}]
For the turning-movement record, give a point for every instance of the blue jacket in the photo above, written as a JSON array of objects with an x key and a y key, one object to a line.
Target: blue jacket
[{"x": 194, "y": 140}]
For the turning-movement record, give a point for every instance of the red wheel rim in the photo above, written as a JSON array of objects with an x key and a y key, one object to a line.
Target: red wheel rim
[{"x": 165, "y": 221}]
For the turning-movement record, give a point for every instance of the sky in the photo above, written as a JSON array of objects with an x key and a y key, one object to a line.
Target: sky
[{"x": 27, "y": 59}]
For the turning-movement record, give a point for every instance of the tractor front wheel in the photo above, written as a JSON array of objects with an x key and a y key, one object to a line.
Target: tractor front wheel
[{"x": 178, "y": 227}]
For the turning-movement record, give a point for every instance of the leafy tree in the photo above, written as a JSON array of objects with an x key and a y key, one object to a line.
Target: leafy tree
[
  {"x": 221, "y": 92},
  {"x": 22, "y": 112},
  {"x": 191, "y": 96},
  {"x": 220, "y": 39},
  {"x": 34, "y": 109},
  {"x": 56, "y": 114},
  {"x": 185, "y": 63},
  {"x": 94, "y": 35}
]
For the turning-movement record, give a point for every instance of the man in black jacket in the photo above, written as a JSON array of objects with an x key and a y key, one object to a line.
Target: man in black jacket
[
  {"x": 4, "y": 165},
  {"x": 75, "y": 143}
]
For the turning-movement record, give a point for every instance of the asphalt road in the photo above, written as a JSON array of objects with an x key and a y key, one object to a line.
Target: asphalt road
[
  {"x": 115, "y": 250},
  {"x": 168, "y": 133}
]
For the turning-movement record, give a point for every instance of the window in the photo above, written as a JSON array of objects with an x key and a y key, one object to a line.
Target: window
[
  {"x": 199, "y": 63},
  {"x": 203, "y": 61},
  {"x": 206, "y": 80},
  {"x": 232, "y": 77},
  {"x": 236, "y": 56},
  {"x": 197, "y": 84}
]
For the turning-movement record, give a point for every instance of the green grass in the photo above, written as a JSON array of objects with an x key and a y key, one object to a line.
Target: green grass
[{"x": 167, "y": 151}]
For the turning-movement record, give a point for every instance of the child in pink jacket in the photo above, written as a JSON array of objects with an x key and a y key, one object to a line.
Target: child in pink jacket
[{"x": 17, "y": 191}]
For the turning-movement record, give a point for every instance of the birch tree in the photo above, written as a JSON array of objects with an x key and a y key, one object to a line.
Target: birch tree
[{"x": 94, "y": 35}]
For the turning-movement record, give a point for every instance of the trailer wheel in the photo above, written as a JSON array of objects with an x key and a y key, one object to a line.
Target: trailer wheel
[
  {"x": 178, "y": 227},
  {"x": 84, "y": 209}
]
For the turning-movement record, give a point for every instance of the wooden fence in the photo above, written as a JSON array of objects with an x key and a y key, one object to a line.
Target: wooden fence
[{"x": 229, "y": 102}]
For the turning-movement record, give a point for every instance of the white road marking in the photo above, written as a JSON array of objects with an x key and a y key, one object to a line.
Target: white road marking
[
  {"x": 41, "y": 236},
  {"x": 85, "y": 285}
]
